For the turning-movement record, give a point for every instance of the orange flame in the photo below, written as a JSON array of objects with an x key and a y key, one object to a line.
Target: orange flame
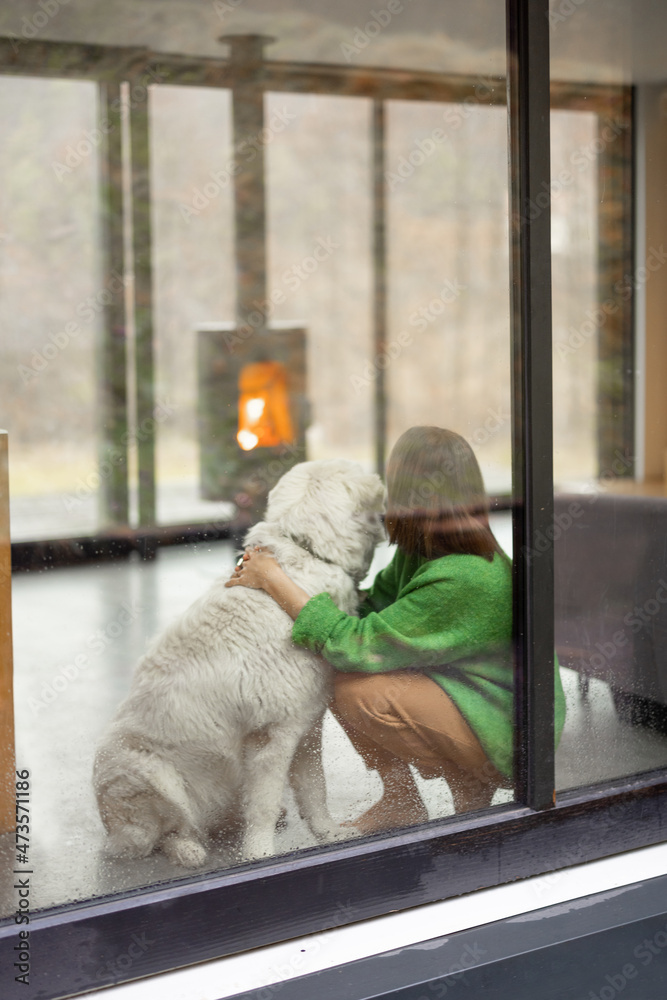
[{"x": 264, "y": 416}]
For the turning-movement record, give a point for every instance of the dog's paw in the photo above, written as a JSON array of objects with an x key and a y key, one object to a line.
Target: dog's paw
[
  {"x": 185, "y": 851},
  {"x": 255, "y": 847},
  {"x": 325, "y": 828},
  {"x": 333, "y": 832}
]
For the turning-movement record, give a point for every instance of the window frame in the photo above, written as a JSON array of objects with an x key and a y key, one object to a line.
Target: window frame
[{"x": 75, "y": 947}]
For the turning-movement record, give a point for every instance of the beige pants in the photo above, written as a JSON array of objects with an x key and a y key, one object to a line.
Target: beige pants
[{"x": 405, "y": 714}]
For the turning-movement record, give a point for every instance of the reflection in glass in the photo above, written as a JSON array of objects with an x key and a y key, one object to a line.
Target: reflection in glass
[
  {"x": 193, "y": 269},
  {"x": 574, "y": 250},
  {"x": 305, "y": 257},
  {"x": 448, "y": 267},
  {"x": 610, "y": 439},
  {"x": 52, "y": 297}
]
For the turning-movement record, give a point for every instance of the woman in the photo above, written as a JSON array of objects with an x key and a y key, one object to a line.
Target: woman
[{"x": 424, "y": 676}]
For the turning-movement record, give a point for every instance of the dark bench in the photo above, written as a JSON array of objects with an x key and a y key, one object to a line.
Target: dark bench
[{"x": 611, "y": 598}]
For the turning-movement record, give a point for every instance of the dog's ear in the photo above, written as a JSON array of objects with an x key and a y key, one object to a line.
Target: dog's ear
[{"x": 370, "y": 493}]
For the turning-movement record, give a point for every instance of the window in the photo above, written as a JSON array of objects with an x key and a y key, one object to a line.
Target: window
[{"x": 404, "y": 274}]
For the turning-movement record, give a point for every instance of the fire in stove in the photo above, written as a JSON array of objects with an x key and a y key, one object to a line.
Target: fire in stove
[{"x": 264, "y": 413}]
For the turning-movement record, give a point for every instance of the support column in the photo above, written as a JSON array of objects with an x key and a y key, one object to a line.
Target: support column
[
  {"x": 143, "y": 309},
  {"x": 650, "y": 280},
  {"x": 379, "y": 283},
  {"x": 113, "y": 450},
  {"x": 616, "y": 353},
  {"x": 246, "y": 62}
]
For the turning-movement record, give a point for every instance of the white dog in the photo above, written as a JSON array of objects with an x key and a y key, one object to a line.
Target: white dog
[{"x": 223, "y": 707}]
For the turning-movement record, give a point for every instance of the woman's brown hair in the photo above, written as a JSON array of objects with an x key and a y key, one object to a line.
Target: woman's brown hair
[{"x": 437, "y": 502}]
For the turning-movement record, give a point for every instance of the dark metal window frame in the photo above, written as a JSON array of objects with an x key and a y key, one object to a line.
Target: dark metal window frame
[{"x": 74, "y": 948}]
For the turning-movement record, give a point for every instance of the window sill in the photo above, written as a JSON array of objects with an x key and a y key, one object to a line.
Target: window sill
[{"x": 269, "y": 969}]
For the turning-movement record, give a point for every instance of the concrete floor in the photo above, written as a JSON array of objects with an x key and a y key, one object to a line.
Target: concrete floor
[{"x": 78, "y": 633}]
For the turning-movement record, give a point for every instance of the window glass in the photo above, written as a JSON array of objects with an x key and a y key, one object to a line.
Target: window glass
[
  {"x": 575, "y": 261},
  {"x": 319, "y": 162},
  {"x": 192, "y": 241},
  {"x": 447, "y": 182},
  {"x": 395, "y": 34},
  {"x": 52, "y": 296},
  {"x": 609, "y": 430},
  {"x": 316, "y": 262}
]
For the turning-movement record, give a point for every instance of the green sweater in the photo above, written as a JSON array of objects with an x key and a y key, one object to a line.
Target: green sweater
[{"x": 449, "y": 617}]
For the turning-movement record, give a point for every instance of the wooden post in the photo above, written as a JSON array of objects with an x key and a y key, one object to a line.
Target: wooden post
[
  {"x": 615, "y": 407},
  {"x": 379, "y": 281},
  {"x": 246, "y": 56},
  {"x": 113, "y": 451},
  {"x": 143, "y": 309},
  {"x": 7, "y": 756}
]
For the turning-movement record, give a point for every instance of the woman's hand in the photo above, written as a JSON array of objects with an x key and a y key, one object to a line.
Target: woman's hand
[
  {"x": 258, "y": 569},
  {"x": 254, "y": 569}
]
